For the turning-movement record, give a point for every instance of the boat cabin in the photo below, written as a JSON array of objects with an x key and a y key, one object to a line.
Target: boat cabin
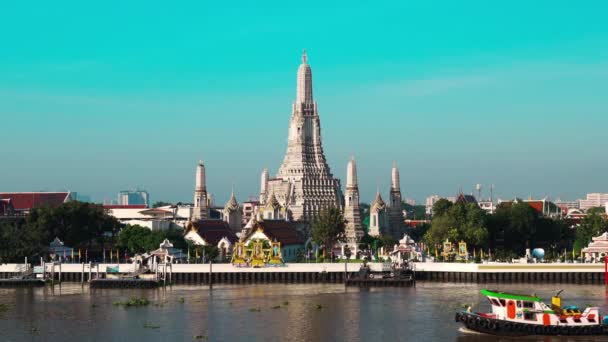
[{"x": 530, "y": 309}]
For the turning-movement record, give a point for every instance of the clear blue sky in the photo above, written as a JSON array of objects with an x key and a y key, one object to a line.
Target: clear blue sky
[{"x": 97, "y": 98}]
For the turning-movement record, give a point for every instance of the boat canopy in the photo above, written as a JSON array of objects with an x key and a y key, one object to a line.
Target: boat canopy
[{"x": 509, "y": 296}]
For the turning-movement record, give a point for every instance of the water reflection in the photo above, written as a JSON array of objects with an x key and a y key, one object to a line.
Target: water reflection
[{"x": 275, "y": 312}]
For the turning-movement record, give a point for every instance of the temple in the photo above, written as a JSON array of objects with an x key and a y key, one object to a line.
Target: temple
[{"x": 304, "y": 183}]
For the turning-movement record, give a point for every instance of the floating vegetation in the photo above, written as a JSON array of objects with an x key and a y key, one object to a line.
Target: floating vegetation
[
  {"x": 3, "y": 307},
  {"x": 256, "y": 309},
  {"x": 319, "y": 307},
  {"x": 182, "y": 300},
  {"x": 276, "y": 307},
  {"x": 151, "y": 326},
  {"x": 285, "y": 303},
  {"x": 93, "y": 305},
  {"x": 201, "y": 337},
  {"x": 133, "y": 302},
  {"x": 229, "y": 303}
]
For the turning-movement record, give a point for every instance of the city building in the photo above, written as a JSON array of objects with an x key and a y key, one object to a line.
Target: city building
[
  {"x": 487, "y": 205},
  {"x": 249, "y": 209},
  {"x": 409, "y": 201},
  {"x": 212, "y": 233},
  {"x": 544, "y": 207},
  {"x": 430, "y": 202},
  {"x": 134, "y": 197},
  {"x": 597, "y": 249},
  {"x": 304, "y": 183},
  {"x": 565, "y": 206},
  {"x": 23, "y": 202},
  {"x": 6, "y": 207},
  {"x": 168, "y": 217},
  {"x": 593, "y": 200}
]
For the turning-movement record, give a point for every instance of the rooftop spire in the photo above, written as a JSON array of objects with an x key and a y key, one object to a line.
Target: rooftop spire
[
  {"x": 304, "y": 93},
  {"x": 395, "y": 183},
  {"x": 351, "y": 173}
]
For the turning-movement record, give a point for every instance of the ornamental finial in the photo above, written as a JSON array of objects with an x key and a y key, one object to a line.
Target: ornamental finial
[{"x": 304, "y": 57}]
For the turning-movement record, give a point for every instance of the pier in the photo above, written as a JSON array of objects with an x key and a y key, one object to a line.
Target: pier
[{"x": 323, "y": 273}]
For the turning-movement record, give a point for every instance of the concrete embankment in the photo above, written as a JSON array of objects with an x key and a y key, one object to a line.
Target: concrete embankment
[{"x": 331, "y": 273}]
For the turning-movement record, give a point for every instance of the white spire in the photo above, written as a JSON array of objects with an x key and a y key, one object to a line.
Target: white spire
[
  {"x": 395, "y": 183},
  {"x": 201, "y": 183},
  {"x": 304, "y": 92},
  {"x": 264, "y": 181},
  {"x": 351, "y": 173}
]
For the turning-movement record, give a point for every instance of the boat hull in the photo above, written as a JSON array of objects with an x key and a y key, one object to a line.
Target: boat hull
[{"x": 500, "y": 327}]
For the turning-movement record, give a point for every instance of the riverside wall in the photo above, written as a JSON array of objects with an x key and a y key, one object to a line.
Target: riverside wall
[{"x": 334, "y": 272}]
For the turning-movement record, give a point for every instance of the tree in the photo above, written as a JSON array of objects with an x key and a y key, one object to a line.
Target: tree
[
  {"x": 75, "y": 223},
  {"x": 417, "y": 212},
  {"x": 460, "y": 221},
  {"x": 441, "y": 207},
  {"x": 160, "y": 204},
  {"x": 593, "y": 224},
  {"x": 328, "y": 227},
  {"x": 138, "y": 239}
]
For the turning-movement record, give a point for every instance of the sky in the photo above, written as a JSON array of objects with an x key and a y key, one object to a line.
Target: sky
[{"x": 101, "y": 97}]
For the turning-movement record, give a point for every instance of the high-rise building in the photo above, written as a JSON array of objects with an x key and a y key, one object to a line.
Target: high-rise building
[
  {"x": 304, "y": 183},
  {"x": 134, "y": 197},
  {"x": 593, "y": 200}
]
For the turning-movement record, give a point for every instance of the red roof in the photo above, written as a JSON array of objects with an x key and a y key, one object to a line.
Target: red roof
[
  {"x": 536, "y": 205},
  {"x": 213, "y": 231},
  {"x": 279, "y": 230},
  {"x": 415, "y": 223},
  {"x": 125, "y": 206},
  {"x": 28, "y": 200}
]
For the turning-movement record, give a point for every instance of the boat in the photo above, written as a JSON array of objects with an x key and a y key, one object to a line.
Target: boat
[{"x": 521, "y": 315}]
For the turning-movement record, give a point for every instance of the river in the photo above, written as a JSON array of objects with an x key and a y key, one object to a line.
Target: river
[{"x": 269, "y": 312}]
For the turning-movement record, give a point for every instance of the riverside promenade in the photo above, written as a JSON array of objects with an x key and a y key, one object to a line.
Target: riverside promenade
[{"x": 327, "y": 272}]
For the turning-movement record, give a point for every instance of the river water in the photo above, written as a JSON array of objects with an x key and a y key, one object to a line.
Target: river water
[{"x": 269, "y": 312}]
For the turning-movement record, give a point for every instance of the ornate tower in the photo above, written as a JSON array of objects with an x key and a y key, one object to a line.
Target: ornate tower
[
  {"x": 395, "y": 213},
  {"x": 232, "y": 214},
  {"x": 354, "y": 229},
  {"x": 264, "y": 185},
  {"x": 304, "y": 183},
  {"x": 377, "y": 217},
  {"x": 201, "y": 199}
]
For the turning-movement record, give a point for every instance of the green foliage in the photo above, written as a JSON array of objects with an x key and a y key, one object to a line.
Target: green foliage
[
  {"x": 466, "y": 222},
  {"x": 441, "y": 207},
  {"x": 211, "y": 252},
  {"x": 416, "y": 212},
  {"x": 328, "y": 227},
  {"x": 133, "y": 302},
  {"x": 160, "y": 204},
  {"x": 518, "y": 226},
  {"x": 593, "y": 224},
  {"x": 138, "y": 239},
  {"x": 418, "y": 233},
  {"x": 75, "y": 223}
]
